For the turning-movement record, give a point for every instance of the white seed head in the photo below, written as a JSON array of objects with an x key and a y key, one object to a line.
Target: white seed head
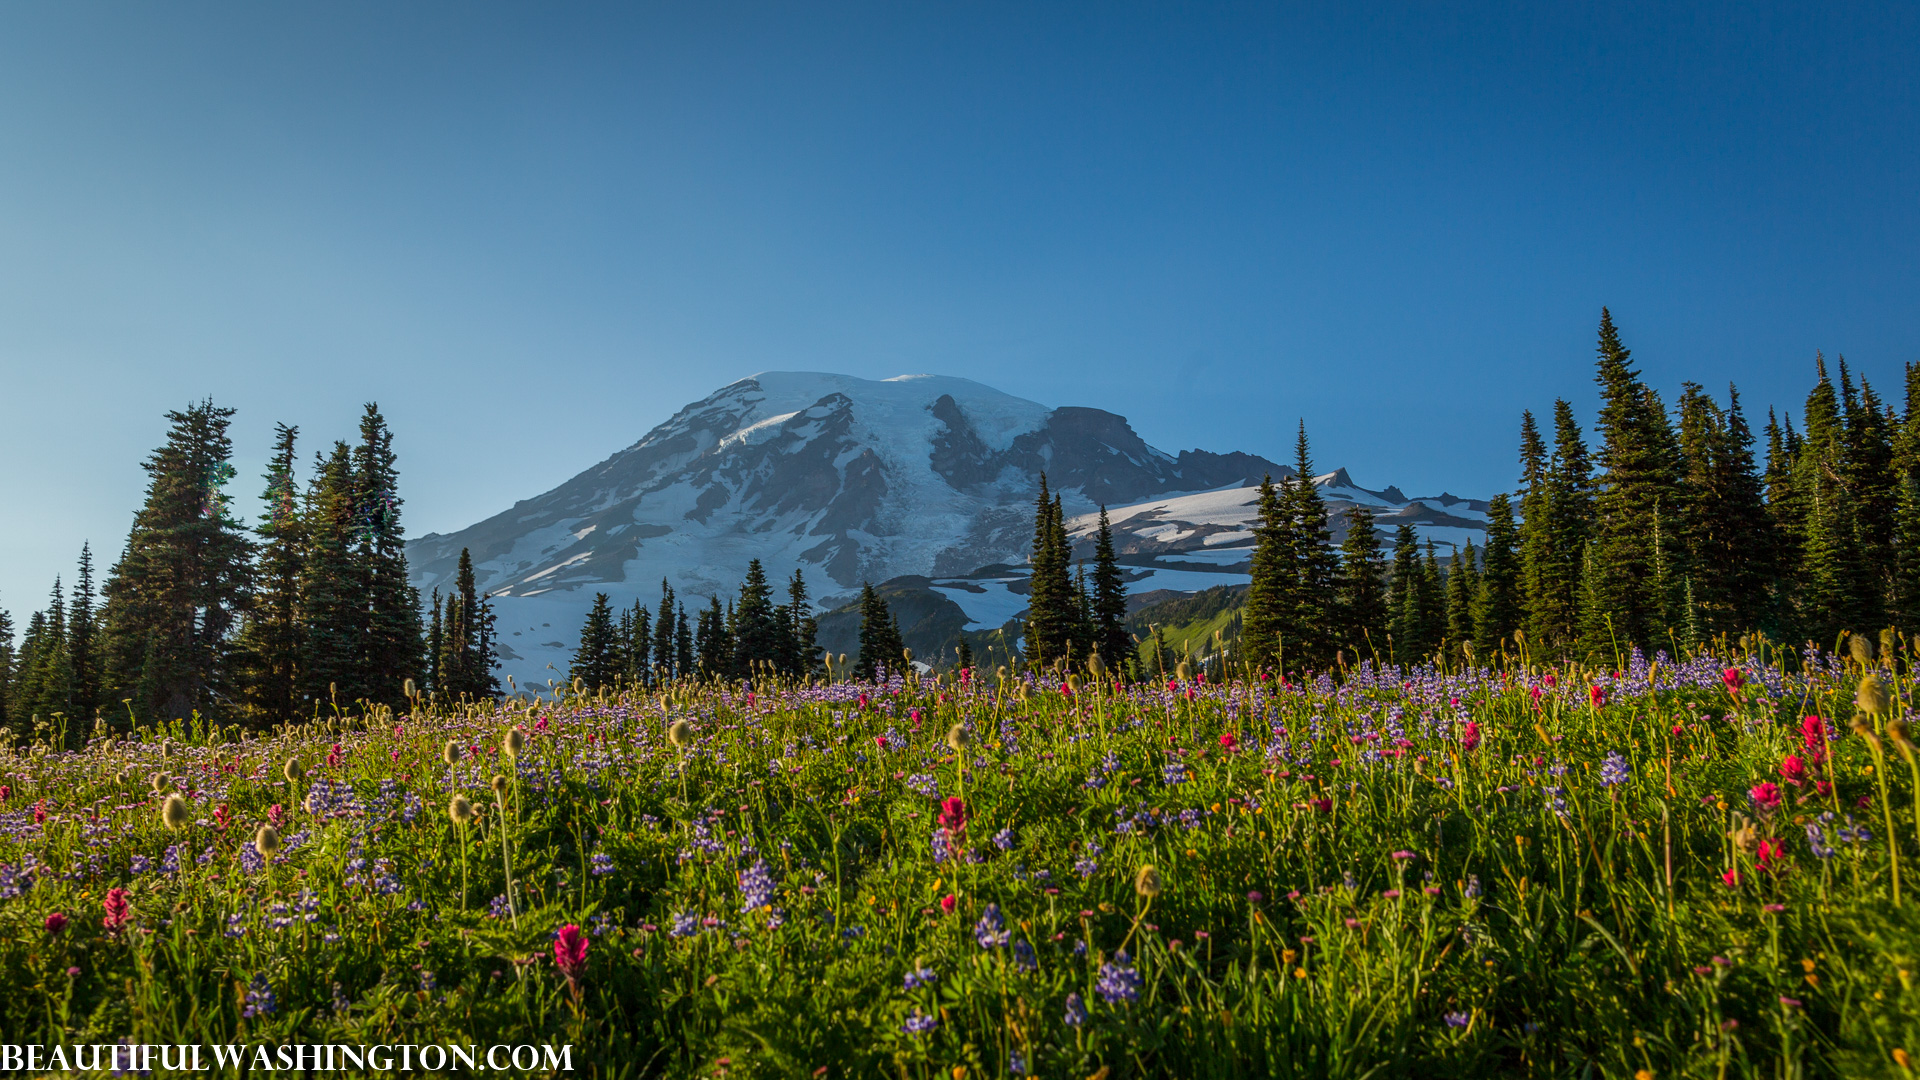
[
  {"x": 266, "y": 841},
  {"x": 460, "y": 810},
  {"x": 174, "y": 812}
]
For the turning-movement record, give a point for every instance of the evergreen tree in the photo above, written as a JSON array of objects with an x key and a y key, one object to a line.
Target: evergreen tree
[
  {"x": 391, "y": 650},
  {"x": 1496, "y": 602},
  {"x": 21, "y": 695},
  {"x": 682, "y": 642},
  {"x": 1834, "y": 589},
  {"x": 1635, "y": 558},
  {"x": 1462, "y": 585},
  {"x": 273, "y": 639},
  {"x": 1051, "y": 616},
  {"x": 1430, "y": 601},
  {"x": 801, "y": 630},
  {"x": 436, "y": 648},
  {"x": 1109, "y": 603},
  {"x": 1311, "y": 590},
  {"x": 963, "y": 654},
  {"x": 879, "y": 636},
  {"x": 1264, "y": 615},
  {"x": 172, "y": 599},
  {"x": 83, "y": 661},
  {"x": 710, "y": 642},
  {"x": 596, "y": 662},
  {"x": 1403, "y": 604},
  {"x": 636, "y": 645},
  {"x": 46, "y": 683},
  {"x": 1363, "y": 584},
  {"x": 333, "y": 590},
  {"x": 759, "y": 637},
  {"x": 467, "y": 639},
  {"x": 8, "y": 662},
  {"x": 1553, "y": 549},
  {"x": 665, "y": 667}
]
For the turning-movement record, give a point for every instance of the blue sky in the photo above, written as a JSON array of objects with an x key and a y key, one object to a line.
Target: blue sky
[{"x": 531, "y": 232}]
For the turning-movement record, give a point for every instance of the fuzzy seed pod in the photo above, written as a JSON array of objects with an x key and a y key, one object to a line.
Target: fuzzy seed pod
[
  {"x": 1861, "y": 648},
  {"x": 513, "y": 742},
  {"x": 1147, "y": 882},
  {"x": 266, "y": 841},
  {"x": 1183, "y": 672},
  {"x": 843, "y": 659},
  {"x": 680, "y": 733},
  {"x": 1872, "y": 696},
  {"x": 292, "y": 770},
  {"x": 158, "y": 783},
  {"x": 460, "y": 810},
  {"x": 1096, "y": 666},
  {"x": 907, "y": 655},
  {"x": 957, "y": 738},
  {"x": 499, "y": 786},
  {"x": 174, "y": 813},
  {"x": 450, "y": 753},
  {"x": 409, "y": 689}
]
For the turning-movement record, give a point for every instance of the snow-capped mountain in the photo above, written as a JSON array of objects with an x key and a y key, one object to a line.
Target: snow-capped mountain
[{"x": 856, "y": 480}]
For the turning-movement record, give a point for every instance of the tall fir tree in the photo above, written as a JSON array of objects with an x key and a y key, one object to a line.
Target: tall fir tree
[
  {"x": 802, "y": 630},
  {"x": 636, "y": 645},
  {"x": 8, "y": 665},
  {"x": 1635, "y": 559},
  {"x": 46, "y": 683},
  {"x": 1553, "y": 549},
  {"x": 273, "y": 639},
  {"x": 1363, "y": 585},
  {"x": 596, "y": 661},
  {"x": 759, "y": 639},
  {"x": 1312, "y": 586},
  {"x": 1430, "y": 601},
  {"x": 665, "y": 667},
  {"x": 1263, "y": 618},
  {"x": 1051, "y": 616},
  {"x": 1110, "y": 638},
  {"x": 83, "y": 658},
  {"x": 682, "y": 642},
  {"x": 711, "y": 642},
  {"x": 391, "y": 650},
  {"x": 1403, "y": 599},
  {"x": 333, "y": 589},
  {"x": 879, "y": 636},
  {"x": 1496, "y": 602},
  {"x": 1462, "y": 585},
  {"x": 467, "y": 639},
  {"x": 172, "y": 599}
]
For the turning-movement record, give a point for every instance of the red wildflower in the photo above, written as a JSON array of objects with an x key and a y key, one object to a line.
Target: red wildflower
[
  {"x": 953, "y": 814},
  {"x": 6, "y": 792},
  {"x": 1765, "y": 795},
  {"x": 1813, "y": 733},
  {"x": 1731, "y": 878},
  {"x": 277, "y": 816},
  {"x": 1597, "y": 695},
  {"x": 1732, "y": 678},
  {"x": 1228, "y": 742},
  {"x": 948, "y": 903},
  {"x": 40, "y": 812},
  {"x": 1549, "y": 679},
  {"x": 1793, "y": 770},
  {"x": 56, "y": 922},
  {"x": 1771, "y": 857},
  {"x": 1325, "y": 806},
  {"x": 1470, "y": 740},
  {"x": 570, "y": 954},
  {"x": 117, "y": 911}
]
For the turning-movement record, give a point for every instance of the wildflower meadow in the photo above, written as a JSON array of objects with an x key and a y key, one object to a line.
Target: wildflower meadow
[{"x": 1704, "y": 867}]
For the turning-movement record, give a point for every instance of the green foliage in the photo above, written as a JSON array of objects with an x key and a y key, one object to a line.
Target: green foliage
[{"x": 1562, "y": 888}]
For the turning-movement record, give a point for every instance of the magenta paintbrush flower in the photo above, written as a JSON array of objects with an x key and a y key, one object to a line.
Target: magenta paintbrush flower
[
  {"x": 118, "y": 912},
  {"x": 570, "y": 954}
]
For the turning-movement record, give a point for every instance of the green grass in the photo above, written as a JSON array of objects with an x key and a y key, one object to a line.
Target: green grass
[{"x": 1363, "y": 895}]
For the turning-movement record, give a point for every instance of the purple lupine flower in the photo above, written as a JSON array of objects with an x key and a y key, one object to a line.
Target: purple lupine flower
[
  {"x": 1118, "y": 981},
  {"x": 991, "y": 931}
]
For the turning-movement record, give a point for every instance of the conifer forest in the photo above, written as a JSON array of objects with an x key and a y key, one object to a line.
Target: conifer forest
[{"x": 1627, "y": 790}]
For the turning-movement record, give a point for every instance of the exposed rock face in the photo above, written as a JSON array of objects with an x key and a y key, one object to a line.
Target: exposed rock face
[{"x": 845, "y": 479}]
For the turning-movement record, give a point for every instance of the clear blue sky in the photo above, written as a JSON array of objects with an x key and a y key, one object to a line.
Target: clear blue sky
[{"x": 531, "y": 232}]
